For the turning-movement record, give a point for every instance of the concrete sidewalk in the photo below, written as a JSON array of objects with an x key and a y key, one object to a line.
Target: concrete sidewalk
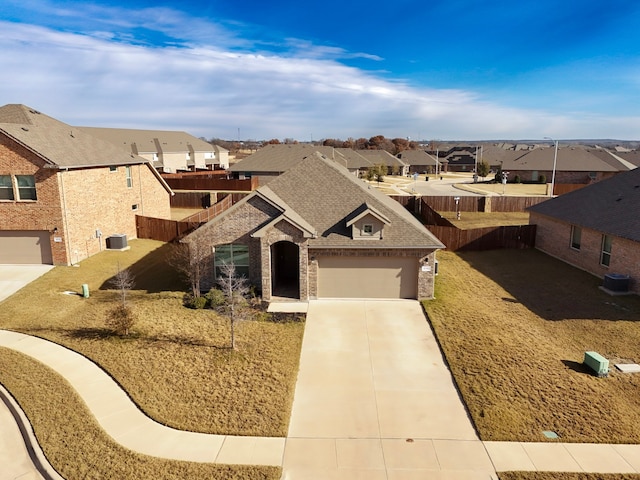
[{"x": 374, "y": 399}]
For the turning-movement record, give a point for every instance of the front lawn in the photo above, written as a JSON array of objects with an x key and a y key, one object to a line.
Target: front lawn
[
  {"x": 176, "y": 364},
  {"x": 514, "y": 326}
]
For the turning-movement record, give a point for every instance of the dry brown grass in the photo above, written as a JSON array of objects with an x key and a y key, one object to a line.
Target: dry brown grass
[
  {"x": 565, "y": 476},
  {"x": 469, "y": 220},
  {"x": 176, "y": 365},
  {"x": 76, "y": 445},
  {"x": 514, "y": 326},
  {"x": 180, "y": 213}
]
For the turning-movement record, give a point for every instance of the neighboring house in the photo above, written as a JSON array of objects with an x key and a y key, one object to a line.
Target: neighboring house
[
  {"x": 63, "y": 191},
  {"x": 272, "y": 160},
  {"x": 394, "y": 165},
  {"x": 574, "y": 165},
  {"x": 317, "y": 231},
  {"x": 168, "y": 151},
  {"x": 420, "y": 161},
  {"x": 461, "y": 159},
  {"x": 596, "y": 228}
]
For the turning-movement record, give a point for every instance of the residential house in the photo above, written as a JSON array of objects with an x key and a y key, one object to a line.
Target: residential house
[
  {"x": 272, "y": 160},
  {"x": 574, "y": 165},
  {"x": 63, "y": 192},
  {"x": 461, "y": 159},
  {"x": 596, "y": 228},
  {"x": 394, "y": 165},
  {"x": 420, "y": 161},
  {"x": 168, "y": 151},
  {"x": 316, "y": 231}
]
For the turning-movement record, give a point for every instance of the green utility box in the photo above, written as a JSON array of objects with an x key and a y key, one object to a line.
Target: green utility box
[
  {"x": 85, "y": 290},
  {"x": 597, "y": 363}
]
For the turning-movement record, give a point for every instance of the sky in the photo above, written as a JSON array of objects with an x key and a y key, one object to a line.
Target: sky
[{"x": 247, "y": 69}]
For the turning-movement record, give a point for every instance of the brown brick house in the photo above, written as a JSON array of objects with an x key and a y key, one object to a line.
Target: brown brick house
[
  {"x": 317, "y": 231},
  {"x": 63, "y": 192},
  {"x": 596, "y": 228}
]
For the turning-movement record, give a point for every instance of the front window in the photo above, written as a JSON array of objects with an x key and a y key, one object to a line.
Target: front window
[
  {"x": 367, "y": 229},
  {"x": 576, "y": 237},
  {"x": 6, "y": 187},
  {"x": 605, "y": 255},
  {"x": 238, "y": 255},
  {"x": 26, "y": 187},
  {"x": 129, "y": 179}
]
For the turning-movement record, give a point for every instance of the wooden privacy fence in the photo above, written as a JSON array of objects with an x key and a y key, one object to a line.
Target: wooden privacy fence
[
  {"x": 490, "y": 238},
  {"x": 214, "y": 183},
  {"x": 492, "y": 203},
  {"x": 168, "y": 230}
]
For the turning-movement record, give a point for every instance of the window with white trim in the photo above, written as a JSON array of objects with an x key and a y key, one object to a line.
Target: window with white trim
[
  {"x": 367, "y": 229},
  {"x": 129, "y": 179},
  {"x": 26, "y": 187},
  {"x": 605, "y": 254},
  {"x": 6, "y": 187},
  {"x": 576, "y": 237}
]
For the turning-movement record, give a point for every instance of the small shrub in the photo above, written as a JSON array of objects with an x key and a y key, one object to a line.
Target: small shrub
[
  {"x": 516, "y": 179},
  {"x": 543, "y": 179},
  {"x": 197, "y": 303},
  {"x": 215, "y": 298},
  {"x": 120, "y": 319}
]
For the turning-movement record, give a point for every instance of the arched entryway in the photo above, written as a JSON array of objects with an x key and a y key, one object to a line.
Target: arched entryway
[{"x": 285, "y": 270}]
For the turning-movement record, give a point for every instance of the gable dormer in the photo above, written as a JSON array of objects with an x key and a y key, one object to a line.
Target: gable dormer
[{"x": 367, "y": 223}]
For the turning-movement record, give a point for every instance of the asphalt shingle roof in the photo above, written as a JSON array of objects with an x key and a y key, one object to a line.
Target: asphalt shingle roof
[
  {"x": 59, "y": 144},
  {"x": 169, "y": 140},
  {"x": 611, "y": 206},
  {"x": 325, "y": 194}
]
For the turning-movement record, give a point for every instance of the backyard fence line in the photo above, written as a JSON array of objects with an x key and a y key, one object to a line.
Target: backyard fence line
[{"x": 488, "y": 238}]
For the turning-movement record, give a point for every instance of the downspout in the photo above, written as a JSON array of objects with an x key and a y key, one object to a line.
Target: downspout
[
  {"x": 140, "y": 188},
  {"x": 65, "y": 221}
]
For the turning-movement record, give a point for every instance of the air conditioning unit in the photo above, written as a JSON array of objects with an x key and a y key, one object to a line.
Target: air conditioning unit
[
  {"x": 616, "y": 282},
  {"x": 117, "y": 242}
]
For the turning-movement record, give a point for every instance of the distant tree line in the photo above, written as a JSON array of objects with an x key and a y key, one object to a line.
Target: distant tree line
[{"x": 379, "y": 142}]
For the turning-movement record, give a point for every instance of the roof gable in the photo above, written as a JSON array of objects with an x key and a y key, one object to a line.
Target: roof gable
[{"x": 363, "y": 211}]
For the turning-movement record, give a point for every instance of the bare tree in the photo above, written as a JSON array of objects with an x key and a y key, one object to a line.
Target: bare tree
[
  {"x": 121, "y": 317},
  {"x": 123, "y": 281},
  {"x": 234, "y": 288},
  {"x": 192, "y": 260}
]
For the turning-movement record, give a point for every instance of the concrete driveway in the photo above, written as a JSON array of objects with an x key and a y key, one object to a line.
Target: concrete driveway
[
  {"x": 374, "y": 399},
  {"x": 14, "y": 277}
]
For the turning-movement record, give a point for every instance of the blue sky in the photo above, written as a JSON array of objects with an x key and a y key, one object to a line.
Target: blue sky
[{"x": 440, "y": 69}]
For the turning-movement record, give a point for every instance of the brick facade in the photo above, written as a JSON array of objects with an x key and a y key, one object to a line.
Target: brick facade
[
  {"x": 79, "y": 202},
  {"x": 554, "y": 238},
  {"x": 243, "y": 220}
]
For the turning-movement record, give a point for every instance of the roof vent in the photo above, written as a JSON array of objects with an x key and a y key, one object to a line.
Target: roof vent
[{"x": 25, "y": 129}]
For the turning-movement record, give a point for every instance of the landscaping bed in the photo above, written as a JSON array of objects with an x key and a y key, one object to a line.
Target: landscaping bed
[{"x": 514, "y": 326}]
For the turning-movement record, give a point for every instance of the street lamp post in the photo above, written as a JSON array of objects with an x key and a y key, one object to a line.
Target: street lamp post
[
  {"x": 457, "y": 199},
  {"x": 555, "y": 160}
]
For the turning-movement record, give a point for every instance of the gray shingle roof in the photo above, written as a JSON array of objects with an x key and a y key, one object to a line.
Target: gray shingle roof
[
  {"x": 280, "y": 158},
  {"x": 610, "y": 206},
  {"x": 382, "y": 157},
  {"x": 570, "y": 159},
  {"x": 59, "y": 144},
  {"x": 170, "y": 141},
  {"x": 325, "y": 194},
  {"x": 417, "y": 157}
]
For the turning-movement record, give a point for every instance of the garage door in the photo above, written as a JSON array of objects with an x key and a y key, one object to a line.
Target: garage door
[
  {"x": 367, "y": 277},
  {"x": 25, "y": 247}
]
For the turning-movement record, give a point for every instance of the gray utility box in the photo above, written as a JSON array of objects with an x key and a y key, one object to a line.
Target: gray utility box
[
  {"x": 616, "y": 282},
  {"x": 117, "y": 242}
]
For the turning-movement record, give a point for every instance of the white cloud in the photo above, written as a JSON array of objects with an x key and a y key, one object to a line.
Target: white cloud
[{"x": 210, "y": 90}]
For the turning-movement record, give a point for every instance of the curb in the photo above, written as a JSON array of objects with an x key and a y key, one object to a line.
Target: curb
[{"x": 36, "y": 454}]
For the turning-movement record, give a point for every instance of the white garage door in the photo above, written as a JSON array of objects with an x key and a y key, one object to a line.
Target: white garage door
[
  {"x": 367, "y": 277},
  {"x": 25, "y": 247}
]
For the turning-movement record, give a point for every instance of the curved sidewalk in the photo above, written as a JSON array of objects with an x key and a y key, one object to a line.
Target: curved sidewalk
[
  {"x": 127, "y": 425},
  {"x": 399, "y": 444}
]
